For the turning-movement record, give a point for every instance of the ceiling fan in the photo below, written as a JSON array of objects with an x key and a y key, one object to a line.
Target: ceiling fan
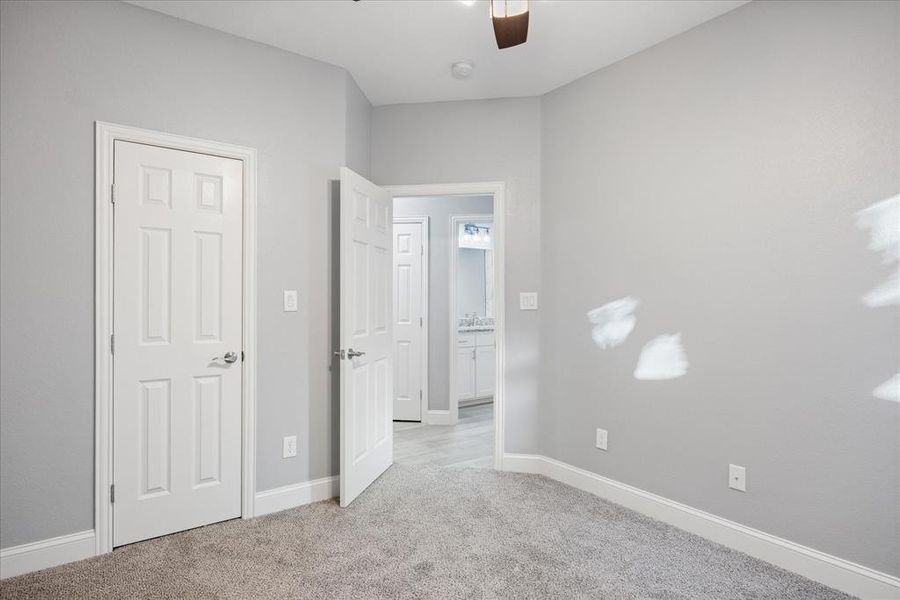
[
  {"x": 510, "y": 19},
  {"x": 510, "y": 27}
]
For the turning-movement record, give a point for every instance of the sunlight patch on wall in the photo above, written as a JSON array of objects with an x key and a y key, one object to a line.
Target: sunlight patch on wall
[
  {"x": 882, "y": 220},
  {"x": 613, "y": 322},
  {"x": 886, "y": 293},
  {"x": 889, "y": 390},
  {"x": 662, "y": 358}
]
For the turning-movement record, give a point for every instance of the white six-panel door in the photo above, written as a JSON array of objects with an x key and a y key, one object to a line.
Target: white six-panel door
[
  {"x": 366, "y": 334},
  {"x": 177, "y": 312},
  {"x": 409, "y": 349}
]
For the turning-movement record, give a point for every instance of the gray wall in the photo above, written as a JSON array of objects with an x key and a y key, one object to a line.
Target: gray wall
[
  {"x": 439, "y": 210},
  {"x": 358, "y": 128},
  {"x": 715, "y": 177},
  {"x": 64, "y": 65},
  {"x": 491, "y": 140}
]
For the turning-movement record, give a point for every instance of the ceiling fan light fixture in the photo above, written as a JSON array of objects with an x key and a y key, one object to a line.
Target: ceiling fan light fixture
[{"x": 510, "y": 19}]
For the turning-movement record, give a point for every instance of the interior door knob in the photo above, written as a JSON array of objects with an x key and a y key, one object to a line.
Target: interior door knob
[
  {"x": 351, "y": 353},
  {"x": 229, "y": 357}
]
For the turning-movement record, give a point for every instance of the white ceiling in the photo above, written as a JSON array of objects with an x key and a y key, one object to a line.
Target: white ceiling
[{"x": 401, "y": 50}]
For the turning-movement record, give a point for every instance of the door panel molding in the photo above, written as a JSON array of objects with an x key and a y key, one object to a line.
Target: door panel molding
[
  {"x": 105, "y": 136},
  {"x": 497, "y": 189}
]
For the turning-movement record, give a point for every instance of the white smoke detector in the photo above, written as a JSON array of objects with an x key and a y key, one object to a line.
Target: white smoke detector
[{"x": 462, "y": 69}]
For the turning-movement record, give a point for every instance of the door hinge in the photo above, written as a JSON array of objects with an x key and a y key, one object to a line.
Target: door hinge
[
  {"x": 421, "y": 322},
  {"x": 420, "y": 395},
  {"x": 112, "y": 193},
  {"x": 112, "y": 493},
  {"x": 421, "y": 250},
  {"x": 242, "y": 356},
  {"x": 112, "y": 344}
]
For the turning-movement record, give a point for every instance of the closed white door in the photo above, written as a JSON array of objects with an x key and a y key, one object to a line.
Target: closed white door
[
  {"x": 366, "y": 334},
  {"x": 465, "y": 373},
  {"x": 485, "y": 358},
  {"x": 409, "y": 321},
  {"x": 177, "y": 346}
]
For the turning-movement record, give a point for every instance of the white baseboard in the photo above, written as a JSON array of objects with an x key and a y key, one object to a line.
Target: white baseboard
[
  {"x": 46, "y": 553},
  {"x": 830, "y": 570},
  {"x": 438, "y": 417},
  {"x": 294, "y": 495},
  {"x": 68, "y": 548}
]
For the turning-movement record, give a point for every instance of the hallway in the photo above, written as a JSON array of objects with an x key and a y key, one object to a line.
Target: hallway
[{"x": 469, "y": 443}]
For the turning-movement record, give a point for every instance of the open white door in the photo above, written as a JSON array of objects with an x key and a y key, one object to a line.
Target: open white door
[{"x": 366, "y": 334}]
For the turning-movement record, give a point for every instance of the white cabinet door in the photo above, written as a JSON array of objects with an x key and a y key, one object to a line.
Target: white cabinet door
[
  {"x": 485, "y": 357},
  {"x": 366, "y": 334},
  {"x": 465, "y": 373},
  {"x": 177, "y": 362}
]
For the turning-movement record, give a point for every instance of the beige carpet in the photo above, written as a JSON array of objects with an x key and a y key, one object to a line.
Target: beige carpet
[{"x": 422, "y": 532}]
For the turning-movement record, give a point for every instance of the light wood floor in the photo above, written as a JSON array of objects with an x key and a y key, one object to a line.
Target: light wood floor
[{"x": 469, "y": 443}]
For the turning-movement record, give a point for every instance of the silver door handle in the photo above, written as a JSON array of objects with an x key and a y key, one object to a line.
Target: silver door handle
[
  {"x": 351, "y": 353},
  {"x": 229, "y": 357}
]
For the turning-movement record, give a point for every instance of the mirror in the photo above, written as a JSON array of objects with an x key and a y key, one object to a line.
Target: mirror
[{"x": 475, "y": 270}]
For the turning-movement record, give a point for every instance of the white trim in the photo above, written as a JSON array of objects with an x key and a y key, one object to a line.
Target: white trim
[
  {"x": 425, "y": 223},
  {"x": 832, "y": 571},
  {"x": 497, "y": 189},
  {"x": 297, "y": 494},
  {"x": 105, "y": 136},
  {"x": 46, "y": 553},
  {"x": 439, "y": 417},
  {"x": 455, "y": 221}
]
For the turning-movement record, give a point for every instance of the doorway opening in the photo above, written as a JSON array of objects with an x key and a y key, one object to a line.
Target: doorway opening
[
  {"x": 447, "y": 302},
  {"x": 366, "y": 350}
]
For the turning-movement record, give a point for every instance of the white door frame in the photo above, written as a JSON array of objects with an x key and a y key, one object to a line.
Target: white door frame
[
  {"x": 426, "y": 235},
  {"x": 497, "y": 189},
  {"x": 455, "y": 221},
  {"x": 105, "y": 136}
]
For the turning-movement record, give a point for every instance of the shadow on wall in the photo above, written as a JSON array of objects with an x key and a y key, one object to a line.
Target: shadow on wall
[{"x": 335, "y": 363}]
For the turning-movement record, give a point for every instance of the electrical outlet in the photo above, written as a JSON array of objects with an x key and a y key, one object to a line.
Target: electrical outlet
[
  {"x": 290, "y": 301},
  {"x": 289, "y": 446},
  {"x": 601, "y": 438},
  {"x": 737, "y": 478}
]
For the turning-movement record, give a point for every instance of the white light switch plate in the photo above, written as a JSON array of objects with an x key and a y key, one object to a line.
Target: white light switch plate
[
  {"x": 289, "y": 446},
  {"x": 528, "y": 301},
  {"x": 602, "y": 436},
  {"x": 290, "y": 300},
  {"x": 737, "y": 478}
]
